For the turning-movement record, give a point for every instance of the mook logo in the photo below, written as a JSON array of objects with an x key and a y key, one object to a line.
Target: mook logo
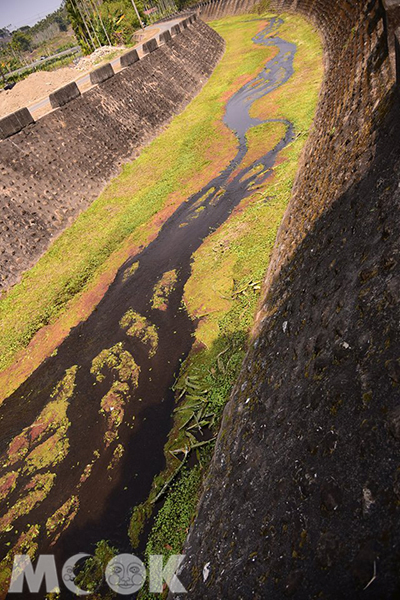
[{"x": 125, "y": 574}]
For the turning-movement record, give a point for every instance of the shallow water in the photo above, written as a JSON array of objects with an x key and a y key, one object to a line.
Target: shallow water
[{"x": 102, "y": 496}]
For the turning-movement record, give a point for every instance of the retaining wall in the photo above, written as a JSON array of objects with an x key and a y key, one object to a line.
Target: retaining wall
[
  {"x": 303, "y": 495},
  {"x": 53, "y": 169},
  {"x": 215, "y": 9}
]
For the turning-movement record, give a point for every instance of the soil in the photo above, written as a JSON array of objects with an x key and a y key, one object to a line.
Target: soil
[
  {"x": 39, "y": 85},
  {"x": 35, "y": 87}
]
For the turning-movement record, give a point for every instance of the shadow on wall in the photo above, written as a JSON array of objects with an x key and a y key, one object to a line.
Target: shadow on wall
[
  {"x": 303, "y": 494},
  {"x": 356, "y": 89}
]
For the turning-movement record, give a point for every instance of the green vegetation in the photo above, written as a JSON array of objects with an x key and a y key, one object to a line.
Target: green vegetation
[
  {"x": 135, "y": 325},
  {"x": 124, "y": 370},
  {"x": 91, "y": 576},
  {"x": 224, "y": 287},
  {"x": 117, "y": 360},
  {"x": 173, "y": 520},
  {"x": 26, "y": 544},
  {"x": 227, "y": 270},
  {"x": 194, "y": 148},
  {"x": 162, "y": 290},
  {"x": 111, "y": 22}
]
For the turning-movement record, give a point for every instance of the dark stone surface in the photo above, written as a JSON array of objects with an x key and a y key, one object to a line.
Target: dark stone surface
[
  {"x": 15, "y": 122},
  {"x": 64, "y": 95},
  {"x": 150, "y": 46},
  {"x": 102, "y": 74},
  {"x": 129, "y": 58},
  {"x": 165, "y": 36},
  {"x": 302, "y": 498}
]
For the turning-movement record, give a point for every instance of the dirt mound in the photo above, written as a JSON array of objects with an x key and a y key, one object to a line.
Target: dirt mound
[
  {"x": 94, "y": 59},
  {"x": 38, "y": 85}
]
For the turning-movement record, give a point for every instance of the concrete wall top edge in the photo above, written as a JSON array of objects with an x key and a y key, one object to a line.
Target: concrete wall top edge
[
  {"x": 175, "y": 29},
  {"x": 15, "y": 122},
  {"x": 129, "y": 58},
  {"x": 64, "y": 95},
  {"x": 10, "y": 124},
  {"x": 150, "y": 46},
  {"x": 165, "y": 36},
  {"x": 102, "y": 74}
]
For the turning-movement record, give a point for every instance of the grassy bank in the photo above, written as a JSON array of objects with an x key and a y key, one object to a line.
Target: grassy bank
[
  {"x": 131, "y": 210},
  {"x": 224, "y": 288},
  {"x": 227, "y": 270}
]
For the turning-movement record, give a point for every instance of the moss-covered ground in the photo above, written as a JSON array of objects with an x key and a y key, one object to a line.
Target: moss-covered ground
[{"x": 222, "y": 292}]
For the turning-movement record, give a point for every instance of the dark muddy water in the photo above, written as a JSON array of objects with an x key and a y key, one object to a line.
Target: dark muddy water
[{"x": 107, "y": 495}]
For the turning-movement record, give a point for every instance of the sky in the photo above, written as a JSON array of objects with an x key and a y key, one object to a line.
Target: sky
[{"x": 25, "y": 12}]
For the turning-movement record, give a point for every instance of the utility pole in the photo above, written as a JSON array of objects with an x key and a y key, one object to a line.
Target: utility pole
[{"x": 137, "y": 14}]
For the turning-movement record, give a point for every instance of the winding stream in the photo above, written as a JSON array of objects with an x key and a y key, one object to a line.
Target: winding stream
[{"x": 71, "y": 469}]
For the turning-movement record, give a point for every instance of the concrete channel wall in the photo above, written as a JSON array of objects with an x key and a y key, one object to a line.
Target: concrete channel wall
[
  {"x": 52, "y": 169},
  {"x": 303, "y": 495}
]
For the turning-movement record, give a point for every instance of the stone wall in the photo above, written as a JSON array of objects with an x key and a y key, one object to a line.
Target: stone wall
[
  {"x": 52, "y": 169},
  {"x": 215, "y": 9},
  {"x": 223, "y": 8},
  {"x": 303, "y": 495}
]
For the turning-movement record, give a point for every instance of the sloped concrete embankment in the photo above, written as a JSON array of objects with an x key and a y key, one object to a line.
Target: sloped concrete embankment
[
  {"x": 216, "y": 9},
  {"x": 52, "y": 169},
  {"x": 303, "y": 494}
]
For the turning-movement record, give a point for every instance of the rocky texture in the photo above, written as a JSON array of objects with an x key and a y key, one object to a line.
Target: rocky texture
[
  {"x": 101, "y": 74},
  {"x": 51, "y": 170},
  {"x": 66, "y": 94},
  {"x": 303, "y": 495},
  {"x": 15, "y": 122},
  {"x": 215, "y": 9}
]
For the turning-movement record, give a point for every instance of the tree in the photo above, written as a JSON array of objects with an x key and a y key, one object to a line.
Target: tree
[
  {"x": 80, "y": 26},
  {"x": 97, "y": 23},
  {"x": 21, "y": 41}
]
